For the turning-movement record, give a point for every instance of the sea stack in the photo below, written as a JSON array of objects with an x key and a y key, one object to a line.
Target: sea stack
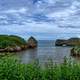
[{"x": 32, "y": 42}]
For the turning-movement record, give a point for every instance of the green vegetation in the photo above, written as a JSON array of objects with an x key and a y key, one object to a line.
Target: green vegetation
[
  {"x": 12, "y": 69},
  {"x": 11, "y": 41}
]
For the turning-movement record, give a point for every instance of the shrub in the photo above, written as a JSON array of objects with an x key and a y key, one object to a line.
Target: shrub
[
  {"x": 6, "y": 40},
  {"x": 6, "y": 43},
  {"x": 12, "y": 69}
]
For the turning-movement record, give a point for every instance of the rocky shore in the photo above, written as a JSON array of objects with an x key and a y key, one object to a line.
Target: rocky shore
[{"x": 17, "y": 45}]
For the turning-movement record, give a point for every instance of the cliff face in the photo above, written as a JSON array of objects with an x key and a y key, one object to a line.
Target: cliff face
[{"x": 69, "y": 42}]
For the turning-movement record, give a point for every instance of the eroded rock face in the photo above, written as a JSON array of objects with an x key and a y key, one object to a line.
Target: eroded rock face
[
  {"x": 60, "y": 42},
  {"x": 69, "y": 42},
  {"x": 32, "y": 42}
]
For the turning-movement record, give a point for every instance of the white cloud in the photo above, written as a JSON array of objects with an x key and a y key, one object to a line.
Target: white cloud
[
  {"x": 48, "y": 30},
  {"x": 43, "y": 28},
  {"x": 60, "y": 16},
  {"x": 20, "y": 10},
  {"x": 67, "y": 16}
]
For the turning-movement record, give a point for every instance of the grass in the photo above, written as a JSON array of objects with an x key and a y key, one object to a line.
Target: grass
[{"x": 12, "y": 69}]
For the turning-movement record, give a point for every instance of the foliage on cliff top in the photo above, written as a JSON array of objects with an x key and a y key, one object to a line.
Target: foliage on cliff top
[{"x": 11, "y": 40}]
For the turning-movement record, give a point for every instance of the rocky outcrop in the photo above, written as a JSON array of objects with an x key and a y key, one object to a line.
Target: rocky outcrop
[
  {"x": 19, "y": 46},
  {"x": 75, "y": 52},
  {"x": 73, "y": 42},
  {"x": 11, "y": 49},
  {"x": 69, "y": 42},
  {"x": 32, "y": 42},
  {"x": 60, "y": 42}
]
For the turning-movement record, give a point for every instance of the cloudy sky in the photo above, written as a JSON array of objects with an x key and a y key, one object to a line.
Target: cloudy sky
[{"x": 43, "y": 19}]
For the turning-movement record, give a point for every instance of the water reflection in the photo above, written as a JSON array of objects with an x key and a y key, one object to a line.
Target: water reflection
[
  {"x": 28, "y": 55},
  {"x": 45, "y": 51}
]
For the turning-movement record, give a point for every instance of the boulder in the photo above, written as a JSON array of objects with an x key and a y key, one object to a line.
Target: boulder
[
  {"x": 32, "y": 42},
  {"x": 2, "y": 50},
  {"x": 9, "y": 49},
  {"x": 17, "y": 48}
]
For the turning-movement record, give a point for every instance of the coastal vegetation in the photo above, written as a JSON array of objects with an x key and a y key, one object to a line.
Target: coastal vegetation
[
  {"x": 12, "y": 69},
  {"x": 11, "y": 40},
  {"x": 15, "y": 43}
]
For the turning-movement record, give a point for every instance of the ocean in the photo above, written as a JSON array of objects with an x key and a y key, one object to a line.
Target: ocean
[{"x": 45, "y": 51}]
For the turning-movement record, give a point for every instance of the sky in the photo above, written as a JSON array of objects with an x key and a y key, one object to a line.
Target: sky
[{"x": 43, "y": 19}]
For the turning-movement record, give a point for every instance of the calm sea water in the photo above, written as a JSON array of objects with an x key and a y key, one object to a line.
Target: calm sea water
[{"x": 46, "y": 50}]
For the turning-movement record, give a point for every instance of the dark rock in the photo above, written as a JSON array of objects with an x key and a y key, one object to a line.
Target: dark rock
[
  {"x": 69, "y": 42},
  {"x": 32, "y": 42},
  {"x": 60, "y": 42}
]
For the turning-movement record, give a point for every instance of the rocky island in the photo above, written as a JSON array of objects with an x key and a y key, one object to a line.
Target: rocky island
[
  {"x": 68, "y": 42},
  {"x": 12, "y": 43}
]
